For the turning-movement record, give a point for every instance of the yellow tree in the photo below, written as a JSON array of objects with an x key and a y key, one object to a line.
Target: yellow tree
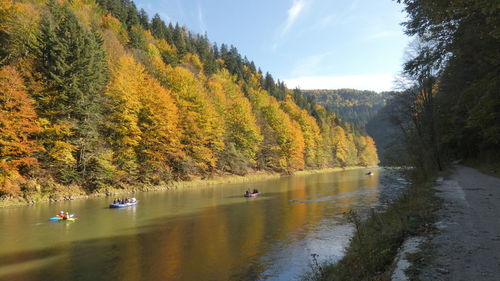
[
  {"x": 341, "y": 146},
  {"x": 202, "y": 126},
  {"x": 124, "y": 91},
  {"x": 160, "y": 147},
  {"x": 310, "y": 129},
  {"x": 352, "y": 151},
  {"x": 18, "y": 29},
  {"x": 113, "y": 24},
  {"x": 283, "y": 140},
  {"x": 241, "y": 124},
  {"x": 367, "y": 151},
  {"x": 17, "y": 128},
  {"x": 288, "y": 135}
]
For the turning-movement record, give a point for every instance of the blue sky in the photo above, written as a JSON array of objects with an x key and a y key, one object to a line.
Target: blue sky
[{"x": 320, "y": 44}]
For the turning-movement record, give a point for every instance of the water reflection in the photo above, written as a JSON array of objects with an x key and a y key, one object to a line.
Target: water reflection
[{"x": 210, "y": 233}]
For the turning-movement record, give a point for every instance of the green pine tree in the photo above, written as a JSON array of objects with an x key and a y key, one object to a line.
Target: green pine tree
[{"x": 73, "y": 63}]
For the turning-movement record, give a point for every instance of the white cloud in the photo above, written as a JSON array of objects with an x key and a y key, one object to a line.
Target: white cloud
[
  {"x": 373, "y": 82},
  {"x": 293, "y": 14},
  {"x": 201, "y": 22}
]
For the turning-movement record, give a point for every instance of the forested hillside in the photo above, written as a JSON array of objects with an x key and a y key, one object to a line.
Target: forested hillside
[
  {"x": 95, "y": 94},
  {"x": 451, "y": 107},
  {"x": 354, "y": 106}
]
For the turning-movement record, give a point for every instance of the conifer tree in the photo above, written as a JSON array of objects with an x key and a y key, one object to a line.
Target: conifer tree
[{"x": 73, "y": 64}]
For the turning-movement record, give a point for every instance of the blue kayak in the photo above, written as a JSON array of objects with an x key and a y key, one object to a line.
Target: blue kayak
[
  {"x": 117, "y": 205},
  {"x": 71, "y": 218}
]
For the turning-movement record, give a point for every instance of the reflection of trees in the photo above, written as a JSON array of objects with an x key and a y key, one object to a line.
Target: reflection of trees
[
  {"x": 129, "y": 269},
  {"x": 298, "y": 214},
  {"x": 217, "y": 242}
]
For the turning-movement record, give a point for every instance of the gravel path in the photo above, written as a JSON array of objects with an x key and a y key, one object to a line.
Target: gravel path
[{"x": 468, "y": 245}]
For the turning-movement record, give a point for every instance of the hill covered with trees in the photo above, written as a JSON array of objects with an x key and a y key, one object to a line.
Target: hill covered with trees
[
  {"x": 96, "y": 94},
  {"x": 354, "y": 106}
]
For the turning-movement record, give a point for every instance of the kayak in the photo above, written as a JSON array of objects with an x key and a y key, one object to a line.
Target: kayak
[
  {"x": 251, "y": 194},
  {"x": 71, "y": 218},
  {"x": 117, "y": 205}
]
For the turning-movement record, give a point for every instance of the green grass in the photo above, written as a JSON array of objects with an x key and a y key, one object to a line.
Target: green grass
[{"x": 377, "y": 239}]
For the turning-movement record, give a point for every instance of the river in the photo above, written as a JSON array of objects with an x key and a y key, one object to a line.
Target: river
[{"x": 199, "y": 233}]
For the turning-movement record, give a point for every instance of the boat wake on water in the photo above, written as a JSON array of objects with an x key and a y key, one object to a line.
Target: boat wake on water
[{"x": 327, "y": 198}]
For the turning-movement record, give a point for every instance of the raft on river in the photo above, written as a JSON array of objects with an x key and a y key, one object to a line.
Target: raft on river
[
  {"x": 251, "y": 194},
  {"x": 124, "y": 205}
]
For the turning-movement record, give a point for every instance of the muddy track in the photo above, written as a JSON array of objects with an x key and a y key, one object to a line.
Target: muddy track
[{"x": 468, "y": 245}]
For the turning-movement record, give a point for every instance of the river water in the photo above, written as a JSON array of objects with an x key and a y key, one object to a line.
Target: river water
[{"x": 200, "y": 233}]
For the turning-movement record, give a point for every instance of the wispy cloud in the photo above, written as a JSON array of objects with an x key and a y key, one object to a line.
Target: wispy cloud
[
  {"x": 293, "y": 14},
  {"x": 180, "y": 9},
  {"x": 373, "y": 82},
  {"x": 201, "y": 22}
]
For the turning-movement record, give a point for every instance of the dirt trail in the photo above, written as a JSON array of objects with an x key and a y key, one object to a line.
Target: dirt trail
[{"x": 468, "y": 245}]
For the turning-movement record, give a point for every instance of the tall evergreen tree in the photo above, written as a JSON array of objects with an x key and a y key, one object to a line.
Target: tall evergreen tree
[{"x": 73, "y": 64}]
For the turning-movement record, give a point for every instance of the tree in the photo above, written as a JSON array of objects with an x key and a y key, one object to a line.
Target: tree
[
  {"x": 143, "y": 19},
  {"x": 159, "y": 148},
  {"x": 367, "y": 151},
  {"x": 455, "y": 74},
  {"x": 18, "y": 29},
  {"x": 310, "y": 129},
  {"x": 73, "y": 64},
  {"x": 124, "y": 132},
  {"x": 18, "y": 127},
  {"x": 202, "y": 126},
  {"x": 289, "y": 137},
  {"x": 242, "y": 133}
]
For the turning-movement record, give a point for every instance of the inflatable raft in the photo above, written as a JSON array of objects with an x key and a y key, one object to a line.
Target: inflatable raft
[
  {"x": 251, "y": 194},
  {"x": 117, "y": 205}
]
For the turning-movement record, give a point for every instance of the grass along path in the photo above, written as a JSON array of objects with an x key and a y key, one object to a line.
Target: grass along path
[{"x": 377, "y": 239}]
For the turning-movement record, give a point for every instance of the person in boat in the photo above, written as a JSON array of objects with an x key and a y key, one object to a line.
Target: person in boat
[
  {"x": 65, "y": 216},
  {"x": 61, "y": 214},
  {"x": 247, "y": 192}
]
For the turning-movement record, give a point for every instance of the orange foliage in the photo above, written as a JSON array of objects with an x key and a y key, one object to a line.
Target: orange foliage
[
  {"x": 17, "y": 126},
  {"x": 144, "y": 119}
]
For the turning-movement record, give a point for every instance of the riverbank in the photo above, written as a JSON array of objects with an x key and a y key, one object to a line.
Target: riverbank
[
  {"x": 36, "y": 191},
  {"x": 375, "y": 244}
]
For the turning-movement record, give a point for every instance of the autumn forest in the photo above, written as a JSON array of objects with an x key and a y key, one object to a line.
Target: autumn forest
[{"x": 96, "y": 94}]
